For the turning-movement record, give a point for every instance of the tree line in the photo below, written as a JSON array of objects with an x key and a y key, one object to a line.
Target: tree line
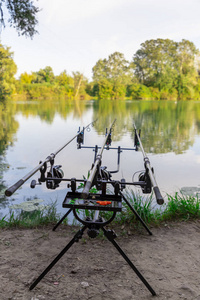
[{"x": 160, "y": 69}]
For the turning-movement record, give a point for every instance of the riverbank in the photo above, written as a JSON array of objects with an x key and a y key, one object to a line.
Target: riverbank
[
  {"x": 178, "y": 207},
  {"x": 92, "y": 269}
]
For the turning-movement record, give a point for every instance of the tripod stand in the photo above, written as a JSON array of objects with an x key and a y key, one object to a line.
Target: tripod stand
[
  {"x": 98, "y": 177},
  {"x": 93, "y": 226}
]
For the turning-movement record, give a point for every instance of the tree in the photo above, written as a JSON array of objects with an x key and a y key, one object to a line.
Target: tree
[
  {"x": 186, "y": 55},
  {"x": 100, "y": 70},
  {"x": 114, "y": 71},
  {"x": 44, "y": 75},
  {"x": 22, "y": 16},
  {"x": 80, "y": 84},
  {"x": 8, "y": 69},
  {"x": 26, "y": 78},
  {"x": 116, "y": 68},
  {"x": 154, "y": 63},
  {"x": 64, "y": 79},
  {"x": 104, "y": 89},
  {"x": 165, "y": 64}
]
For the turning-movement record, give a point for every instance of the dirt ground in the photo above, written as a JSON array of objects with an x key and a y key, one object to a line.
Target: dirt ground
[{"x": 93, "y": 269}]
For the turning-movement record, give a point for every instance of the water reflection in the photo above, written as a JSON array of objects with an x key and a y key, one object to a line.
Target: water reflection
[
  {"x": 8, "y": 128},
  {"x": 46, "y": 110},
  {"x": 168, "y": 129},
  {"x": 166, "y": 126}
]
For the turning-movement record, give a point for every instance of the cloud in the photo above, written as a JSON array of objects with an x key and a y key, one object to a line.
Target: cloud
[{"x": 67, "y": 11}]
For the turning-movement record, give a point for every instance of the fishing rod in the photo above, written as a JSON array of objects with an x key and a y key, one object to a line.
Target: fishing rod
[
  {"x": 97, "y": 171},
  {"x": 55, "y": 170},
  {"x": 148, "y": 175},
  {"x": 96, "y": 167}
]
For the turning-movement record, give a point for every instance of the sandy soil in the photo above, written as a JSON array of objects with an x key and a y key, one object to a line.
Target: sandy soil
[{"x": 93, "y": 269}]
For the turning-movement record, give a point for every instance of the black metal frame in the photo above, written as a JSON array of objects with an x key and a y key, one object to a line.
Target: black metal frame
[
  {"x": 86, "y": 200},
  {"x": 74, "y": 201},
  {"x": 93, "y": 227},
  {"x": 99, "y": 177}
]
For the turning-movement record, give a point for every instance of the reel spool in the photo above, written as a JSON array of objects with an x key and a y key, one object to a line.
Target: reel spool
[
  {"x": 57, "y": 173},
  {"x": 144, "y": 176}
]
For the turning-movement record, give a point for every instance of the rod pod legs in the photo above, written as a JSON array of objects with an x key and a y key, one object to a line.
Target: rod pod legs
[
  {"x": 110, "y": 235},
  {"x": 76, "y": 238}
]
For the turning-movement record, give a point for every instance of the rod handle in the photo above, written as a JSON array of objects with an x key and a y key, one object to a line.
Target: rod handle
[
  {"x": 158, "y": 195},
  {"x": 86, "y": 189},
  {"x": 14, "y": 187}
]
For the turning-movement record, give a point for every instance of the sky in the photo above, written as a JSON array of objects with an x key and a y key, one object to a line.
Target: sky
[{"x": 75, "y": 34}]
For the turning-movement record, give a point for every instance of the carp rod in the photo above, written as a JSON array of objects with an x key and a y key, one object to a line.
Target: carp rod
[
  {"x": 97, "y": 163},
  {"x": 96, "y": 168},
  {"x": 149, "y": 169},
  {"x": 50, "y": 158}
]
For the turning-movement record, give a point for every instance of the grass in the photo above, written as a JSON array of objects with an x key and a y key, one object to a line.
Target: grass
[
  {"x": 182, "y": 208},
  {"x": 176, "y": 208},
  {"x": 143, "y": 205},
  {"x": 31, "y": 219}
]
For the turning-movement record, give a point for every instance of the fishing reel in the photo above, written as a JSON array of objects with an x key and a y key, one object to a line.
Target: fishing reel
[
  {"x": 101, "y": 175},
  {"x": 144, "y": 176},
  {"x": 57, "y": 174}
]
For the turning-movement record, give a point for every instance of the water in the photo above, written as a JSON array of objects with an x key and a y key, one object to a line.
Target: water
[{"x": 30, "y": 131}]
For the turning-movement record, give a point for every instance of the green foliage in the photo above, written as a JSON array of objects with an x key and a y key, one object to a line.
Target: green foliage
[
  {"x": 22, "y": 15},
  {"x": 64, "y": 80},
  {"x": 161, "y": 69},
  {"x": 7, "y": 71},
  {"x": 142, "y": 205},
  {"x": 182, "y": 207},
  {"x": 43, "y": 75},
  {"x": 177, "y": 208},
  {"x": 168, "y": 66},
  {"x": 140, "y": 91},
  {"x": 143, "y": 92},
  {"x": 26, "y": 78},
  {"x": 31, "y": 219},
  {"x": 80, "y": 84},
  {"x": 111, "y": 77},
  {"x": 154, "y": 62},
  {"x": 44, "y": 84},
  {"x": 104, "y": 89},
  {"x": 44, "y": 90}
]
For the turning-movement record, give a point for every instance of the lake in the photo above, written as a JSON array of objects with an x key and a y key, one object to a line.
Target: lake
[{"x": 31, "y": 130}]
